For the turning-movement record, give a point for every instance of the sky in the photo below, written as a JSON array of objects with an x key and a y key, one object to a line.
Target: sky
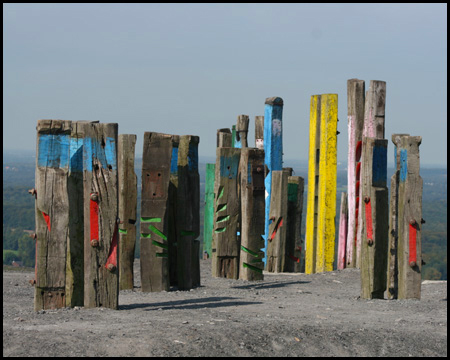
[{"x": 190, "y": 69}]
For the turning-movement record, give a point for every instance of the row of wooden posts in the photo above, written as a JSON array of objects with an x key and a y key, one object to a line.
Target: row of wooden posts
[{"x": 86, "y": 199}]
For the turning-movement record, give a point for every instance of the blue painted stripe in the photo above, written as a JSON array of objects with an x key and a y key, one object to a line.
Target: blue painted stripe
[
  {"x": 193, "y": 157},
  {"x": 92, "y": 149},
  {"x": 88, "y": 154},
  {"x": 229, "y": 166},
  {"x": 379, "y": 166},
  {"x": 249, "y": 174},
  {"x": 403, "y": 164},
  {"x": 111, "y": 153},
  {"x": 76, "y": 154},
  {"x": 395, "y": 156},
  {"x": 54, "y": 150},
  {"x": 174, "y": 162}
]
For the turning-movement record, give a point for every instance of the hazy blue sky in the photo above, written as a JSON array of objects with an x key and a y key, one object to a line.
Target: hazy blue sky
[{"x": 193, "y": 68}]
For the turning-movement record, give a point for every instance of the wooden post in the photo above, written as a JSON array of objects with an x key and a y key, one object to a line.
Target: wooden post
[
  {"x": 375, "y": 226},
  {"x": 409, "y": 216},
  {"x": 355, "y": 108},
  {"x": 259, "y": 132},
  {"x": 343, "y": 226},
  {"x": 233, "y": 136},
  {"x": 188, "y": 213},
  {"x": 101, "y": 275},
  {"x": 208, "y": 221},
  {"x": 156, "y": 160},
  {"x": 321, "y": 208},
  {"x": 241, "y": 132},
  {"x": 273, "y": 152},
  {"x": 374, "y": 123},
  {"x": 251, "y": 168},
  {"x": 127, "y": 182},
  {"x": 226, "y": 216},
  {"x": 294, "y": 243},
  {"x": 52, "y": 212},
  {"x": 173, "y": 230},
  {"x": 224, "y": 138}
]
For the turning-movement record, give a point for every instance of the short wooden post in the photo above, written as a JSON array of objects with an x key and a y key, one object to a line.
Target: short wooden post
[
  {"x": 273, "y": 152},
  {"x": 375, "y": 212},
  {"x": 252, "y": 214},
  {"x": 188, "y": 213},
  {"x": 355, "y": 108},
  {"x": 241, "y": 132},
  {"x": 101, "y": 274},
  {"x": 276, "y": 248},
  {"x": 374, "y": 123},
  {"x": 321, "y": 206},
  {"x": 224, "y": 138},
  {"x": 409, "y": 217},
  {"x": 154, "y": 260},
  {"x": 127, "y": 182},
  {"x": 226, "y": 214},
  {"x": 343, "y": 226},
  {"x": 208, "y": 221},
  {"x": 294, "y": 243},
  {"x": 52, "y": 212},
  {"x": 233, "y": 136},
  {"x": 259, "y": 132}
]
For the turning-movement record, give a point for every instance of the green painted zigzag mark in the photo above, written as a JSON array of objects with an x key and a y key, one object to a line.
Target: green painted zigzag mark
[
  {"x": 252, "y": 253},
  {"x": 123, "y": 231},
  {"x": 219, "y": 230},
  {"x": 156, "y": 243},
  {"x": 221, "y": 207},
  {"x": 148, "y": 236},
  {"x": 150, "y": 219},
  {"x": 157, "y": 232},
  {"x": 223, "y": 218},
  {"x": 251, "y": 267}
]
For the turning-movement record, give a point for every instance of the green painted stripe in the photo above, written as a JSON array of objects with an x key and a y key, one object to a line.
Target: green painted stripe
[
  {"x": 146, "y": 236},
  {"x": 150, "y": 219},
  {"x": 123, "y": 231},
  {"x": 223, "y": 218},
  {"x": 221, "y": 207},
  {"x": 251, "y": 267},
  {"x": 249, "y": 251},
  {"x": 156, "y": 243},
  {"x": 164, "y": 255},
  {"x": 187, "y": 233},
  {"x": 157, "y": 232},
  {"x": 219, "y": 230},
  {"x": 222, "y": 189}
]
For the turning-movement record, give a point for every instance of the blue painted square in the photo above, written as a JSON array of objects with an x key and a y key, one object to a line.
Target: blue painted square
[
  {"x": 379, "y": 166},
  {"x": 193, "y": 157},
  {"x": 53, "y": 150},
  {"x": 174, "y": 161}
]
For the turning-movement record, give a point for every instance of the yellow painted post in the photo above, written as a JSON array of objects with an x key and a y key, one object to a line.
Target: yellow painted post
[{"x": 321, "y": 205}]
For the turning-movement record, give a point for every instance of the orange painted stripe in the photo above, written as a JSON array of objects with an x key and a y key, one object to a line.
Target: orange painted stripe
[
  {"x": 47, "y": 220},
  {"x": 112, "y": 256},
  {"x": 369, "y": 220}
]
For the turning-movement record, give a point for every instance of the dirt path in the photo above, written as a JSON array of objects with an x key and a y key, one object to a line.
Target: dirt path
[{"x": 284, "y": 315}]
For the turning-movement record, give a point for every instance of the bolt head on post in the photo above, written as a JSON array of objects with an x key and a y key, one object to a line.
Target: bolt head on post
[
  {"x": 412, "y": 263},
  {"x": 94, "y": 196},
  {"x": 111, "y": 267},
  {"x": 32, "y": 191},
  {"x": 94, "y": 243},
  {"x": 366, "y": 199},
  {"x": 33, "y": 236},
  {"x": 413, "y": 222},
  {"x": 370, "y": 242}
]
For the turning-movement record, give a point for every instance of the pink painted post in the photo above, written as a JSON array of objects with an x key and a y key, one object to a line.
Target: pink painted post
[{"x": 343, "y": 222}]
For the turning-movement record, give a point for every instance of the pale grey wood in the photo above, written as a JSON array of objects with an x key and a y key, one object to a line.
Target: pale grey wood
[{"x": 242, "y": 130}]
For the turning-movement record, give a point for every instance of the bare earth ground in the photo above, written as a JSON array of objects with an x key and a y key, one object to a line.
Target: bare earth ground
[{"x": 283, "y": 315}]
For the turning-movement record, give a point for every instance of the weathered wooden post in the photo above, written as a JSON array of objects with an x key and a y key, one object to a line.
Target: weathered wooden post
[
  {"x": 276, "y": 247},
  {"x": 273, "y": 152},
  {"x": 52, "y": 213},
  {"x": 321, "y": 205},
  {"x": 101, "y": 275},
  {"x": 405, "y": 245},
  {"x": 343, "y": 226},
  {"x": 233, "y": 136},
  {"x": 355, "y": 108},
  {"x": 156, "y": 160},
  {"x": 374, "y": 119},
  {"x": 188, "y": 213},
  {"x": 241, "y": 132},
  {"x": 259, "y": 132},
  {"x": 224, "y": 138},
  {"x": 226, "y": 216},
  {"x": 294, "y": 244},
  {"x": 208, "y": 221},
  {"x": 252, "y": 214},
  {"x": 375, "y": 207},
  {"x": 173, "y": 195},
  {"x": 127, "y": 182}
]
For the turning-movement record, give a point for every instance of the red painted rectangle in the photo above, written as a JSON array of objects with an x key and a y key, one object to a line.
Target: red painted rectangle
[
  {"x": 369, "y": 220},
  {"x": 412, "y": 244},
  {"x": 94, "y": 219}
]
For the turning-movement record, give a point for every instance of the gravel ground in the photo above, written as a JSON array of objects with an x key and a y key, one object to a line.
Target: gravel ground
[{"x": 283, "y": 315}]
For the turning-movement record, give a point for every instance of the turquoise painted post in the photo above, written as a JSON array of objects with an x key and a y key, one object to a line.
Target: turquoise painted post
[
  {"x": 273, "y": 151},
  {"x": 209, "y": 208}
]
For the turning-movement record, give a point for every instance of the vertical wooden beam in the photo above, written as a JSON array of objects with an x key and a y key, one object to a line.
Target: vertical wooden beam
[
  {"x": 259, "y": 132},
  {"x": 276, "y": 248},
  {"x": 343, "y": 226},
  {"x": 156, "y": 160},
  {"x": 52, "y": 212},
  {"x": 273, "y": 152},
  {"x": 101, "y": 275},
  {"x": 409, "y": 218},
  {"x": 127, "y": 182},
  {"x": 294, "y": 243},
  {"x": 355, "y": 108},
  {"x": 241, "y": 132},
  {"x": 208, "y": 221},
  {"x": 173, "y": 230},
  {"x": 188, "y": 213},
  {"x": 224, "y": 138},
  {"x": 226, "y": 214},
  {"x": 233, "y": 136},
  {"x": 375, "y": 212},
  {"x": 252, "y": 214}
]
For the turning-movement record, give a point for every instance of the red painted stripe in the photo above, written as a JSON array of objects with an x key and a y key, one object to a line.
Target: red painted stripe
[
  {"x": 280, "y": 224},
  {"x": 358, "y": 150},
  {"x": 35, "y": 263},
  {"x": 369, "y": 220},
  {"x": 358, "y": 171},
  {"x": 94, "y": 219},
  {"x": 296, "y": 259},
  {"x": 357, "y": 190},
  {"x": 112, "y": 256},
  {"x": 356, "y": 223},
  {"x": 47, "y": 220},
  {"x": 412, "y": 244}
]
